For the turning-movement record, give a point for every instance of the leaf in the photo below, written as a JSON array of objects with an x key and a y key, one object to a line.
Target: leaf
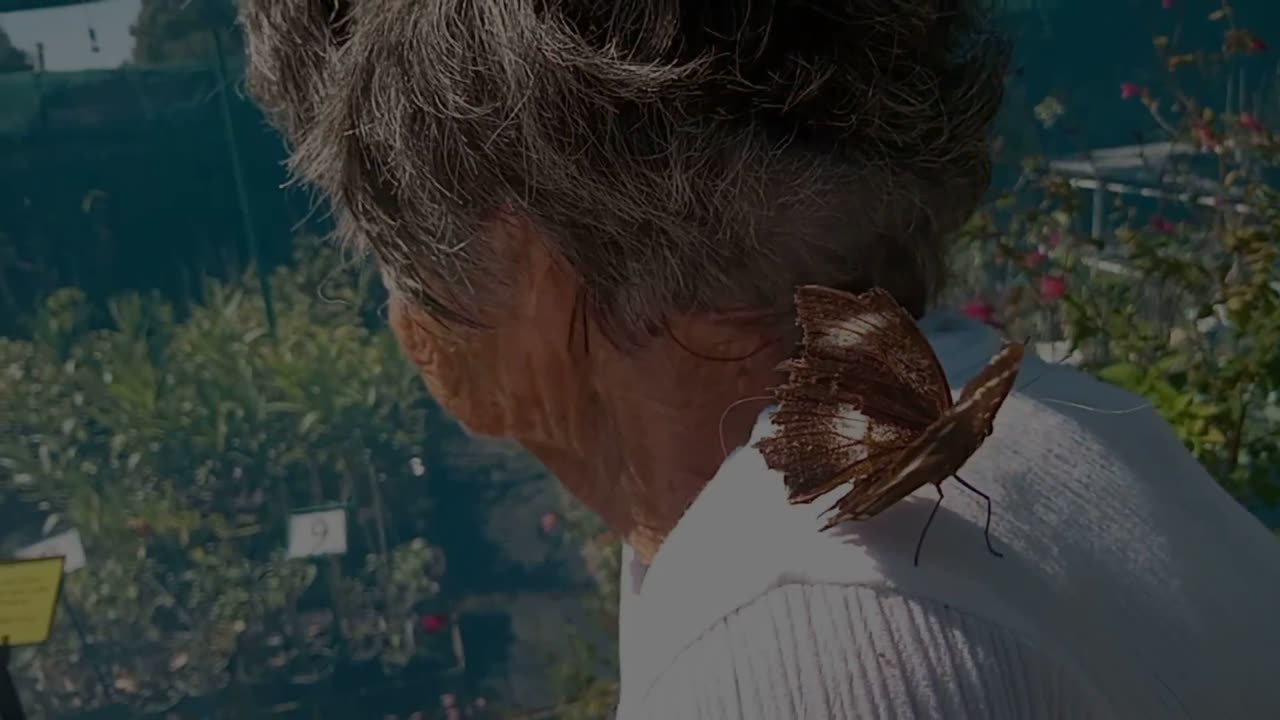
[
  {"x": 1214, "y": 436},
  {"x": 1271, "y": 412},
  {"x": 1204, "y": 410},
  {"x": 1126, "y": 375}
]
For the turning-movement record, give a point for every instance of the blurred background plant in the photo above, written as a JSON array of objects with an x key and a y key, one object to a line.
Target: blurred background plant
[
  {"x": 1154, "y": 266},
  {"x": 177, "y": 448}
]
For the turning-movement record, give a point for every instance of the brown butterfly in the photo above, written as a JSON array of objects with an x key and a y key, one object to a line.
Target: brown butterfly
[{"x": 866, "y": 403}]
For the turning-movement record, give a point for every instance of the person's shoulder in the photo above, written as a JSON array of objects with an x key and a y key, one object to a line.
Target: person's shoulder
[
  {"x": 1063, "y": 420},
  {"x": 1095, "y": 505},
  {"x": 842, "y": 652},
  {"x": 1071, "y": 453}
]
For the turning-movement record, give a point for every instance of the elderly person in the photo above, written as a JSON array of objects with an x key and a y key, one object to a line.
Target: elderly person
[{"x": 592, "y": 215}]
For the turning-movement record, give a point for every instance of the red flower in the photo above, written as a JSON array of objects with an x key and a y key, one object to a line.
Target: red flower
[
  {"x": 1249, "y": 122},
  {"x": 1207, "y": 137},
  {"x": 1128, "y": 91},
  {"x": 1052, "y": 288},
  {"x": 1053, "y": 239},
  {"x": 139, "y": 527},
  {"x": 1033, "y": 259},
  {"x": 550, "y": 522},
  {"x": 1257, "y": 44},
  {"x": 434, "y": 622},
  {"x": 1166, "y": 4},
  {"x": 1161, "y": 224},
  {"x": 979, "y": 310}
]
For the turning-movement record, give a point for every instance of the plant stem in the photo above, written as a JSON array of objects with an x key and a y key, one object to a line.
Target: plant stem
[{"x": 1237, "y": 437}]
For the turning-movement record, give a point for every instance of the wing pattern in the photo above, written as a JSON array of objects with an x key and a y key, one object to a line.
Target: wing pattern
[
  {"x": 943, "y": 448},
  {"x": 984, "y": 395},
  {"x": 855, "y": 396},
  {"x": 866, "y": 403}
]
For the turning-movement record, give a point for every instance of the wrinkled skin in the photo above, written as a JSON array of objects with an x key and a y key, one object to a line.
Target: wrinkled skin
[{"x": 634, "y": 433}]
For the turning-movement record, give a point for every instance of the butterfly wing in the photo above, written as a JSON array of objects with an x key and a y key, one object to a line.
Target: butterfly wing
[
  {"x": 870, "y": 340},
  {"x": 937, "y": 453},
  {"x": 983, "y": 396},
  {"x": 829, "y": 434},
  {"x": 943, "y": 448},
  {"x": 864, "y": 385}
]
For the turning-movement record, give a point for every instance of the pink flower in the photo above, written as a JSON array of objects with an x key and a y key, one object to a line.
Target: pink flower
[
  {"x": 979, "y": 310},
  {"x": 433, "y": 623},
  {"x": 1128, "y": 91},
  {"x": 1161, "y": 224},
  {"x": 1052, "y": 287},
  {"x": 1053, "y": 239},
  {"x": 549, "y": 522},
  {"x": 1249, "y": 122},
  {"x": 1166, "y": 4},
  {"x": 1257, "y": 44},
  {"x": 1033, "y": 259}
]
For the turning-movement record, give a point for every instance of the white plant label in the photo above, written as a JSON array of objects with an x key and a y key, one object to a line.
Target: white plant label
[
  {"x": 318, "y": 532},
  {"x": 66, "y": 545}
]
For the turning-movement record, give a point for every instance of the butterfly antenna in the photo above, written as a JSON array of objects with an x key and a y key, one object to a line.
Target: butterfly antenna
[
  {"x": 1100, "y": 411},
  {"x": 925, "y": 530},
  {"x": 724, "y": 449},
  {"x": 986, "y": 530},
  {"x": 1023, "y": 388}
]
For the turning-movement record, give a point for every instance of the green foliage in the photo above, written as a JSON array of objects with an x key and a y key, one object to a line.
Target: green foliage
[
  {"x": 586, "y": 681},
  {"x": 588, "y": 693},
  {"x": 177, "y": 447},
  {"x": 1180, "y": 301}
]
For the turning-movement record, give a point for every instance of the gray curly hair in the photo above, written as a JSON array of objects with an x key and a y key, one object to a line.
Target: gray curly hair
[{"x": 680, "y": 155}]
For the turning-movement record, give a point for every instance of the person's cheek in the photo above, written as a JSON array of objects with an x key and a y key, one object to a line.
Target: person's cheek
[
  {"x": 459, "y": 372},
  {"x": 463, "y": 381}
]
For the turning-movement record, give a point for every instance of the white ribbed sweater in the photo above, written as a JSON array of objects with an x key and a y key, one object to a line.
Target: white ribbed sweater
[{"x": 1131, "y": 586}]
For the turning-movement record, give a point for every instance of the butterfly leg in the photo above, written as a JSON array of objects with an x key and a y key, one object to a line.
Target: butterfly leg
[
  {"x": 927, "y": 523},
  {"x": 986, "y": 531}
]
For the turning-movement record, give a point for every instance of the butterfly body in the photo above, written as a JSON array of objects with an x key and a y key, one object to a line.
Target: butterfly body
[{"x": 866, "y": 405}]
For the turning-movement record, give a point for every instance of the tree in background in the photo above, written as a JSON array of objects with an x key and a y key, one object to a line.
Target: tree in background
[
  {"x": 11, "y": 58},
  {"x": 182, "y": 31}
]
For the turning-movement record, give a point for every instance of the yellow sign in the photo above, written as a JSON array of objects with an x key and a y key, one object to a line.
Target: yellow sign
[{"x": 28, "y": 596}]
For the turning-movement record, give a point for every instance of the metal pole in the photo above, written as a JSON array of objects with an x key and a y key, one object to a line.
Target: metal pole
[
  {"x": 89, "y": 653},
  {"x": 246, "y": 219},
  {"x": 1099, "y": 210},
  {"x": 10, "y": 703}
]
